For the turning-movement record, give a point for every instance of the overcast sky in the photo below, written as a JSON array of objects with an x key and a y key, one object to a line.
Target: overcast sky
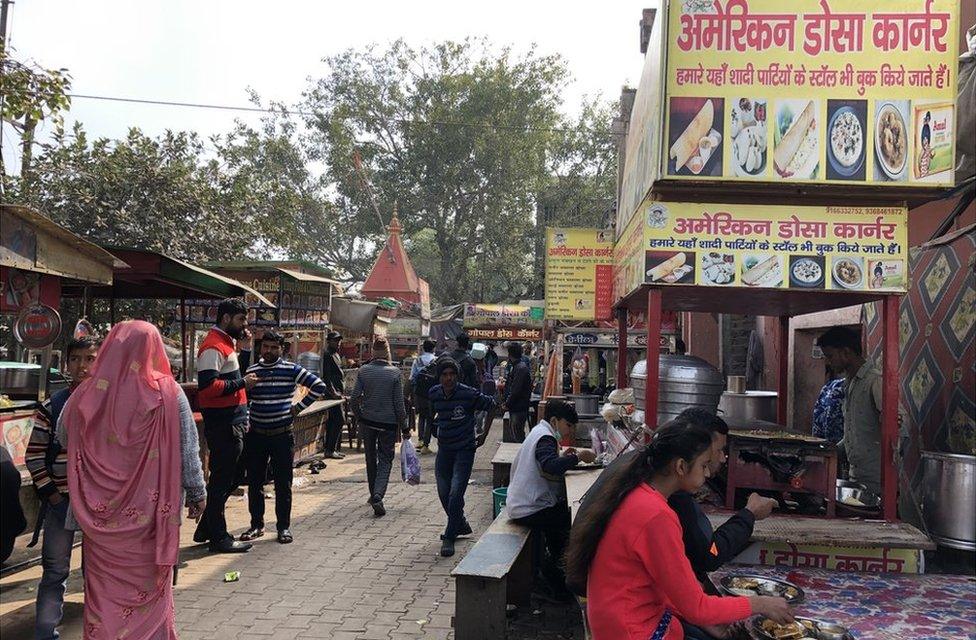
[{"x": 210, "y": 51}]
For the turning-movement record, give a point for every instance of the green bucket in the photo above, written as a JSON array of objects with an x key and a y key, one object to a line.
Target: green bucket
[{"x": 499, "y": 496}]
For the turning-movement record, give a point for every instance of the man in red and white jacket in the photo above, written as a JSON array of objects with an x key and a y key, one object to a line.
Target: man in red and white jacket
[{"x": 222, "y": 399}]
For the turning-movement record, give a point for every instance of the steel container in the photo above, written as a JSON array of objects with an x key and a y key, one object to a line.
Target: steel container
[
  {"x": 749, "y": 406},
  {"x": 949, "y": 498},
  {"x": 586, "y": 405},
  {"x": 685, "y": 381}
]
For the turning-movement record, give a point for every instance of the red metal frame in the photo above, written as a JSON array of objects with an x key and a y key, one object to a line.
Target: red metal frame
[
  {"x": 889, "y": 408},
  {"x": 654, "y": 300},
  {"x": 622, "y": 348},
  {"x": 782, "y": 375}
]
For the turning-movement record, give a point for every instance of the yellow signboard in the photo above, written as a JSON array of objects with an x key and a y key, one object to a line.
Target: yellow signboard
[
  {"x": 628, "y": 257},
  {"x": 579, "y": 274},
  {"x": 811, "y": 91},
  {"x": 776, "y": 246}
]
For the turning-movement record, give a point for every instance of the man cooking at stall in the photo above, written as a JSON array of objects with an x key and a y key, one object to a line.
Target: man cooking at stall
[{"x": 861, "y": 406}]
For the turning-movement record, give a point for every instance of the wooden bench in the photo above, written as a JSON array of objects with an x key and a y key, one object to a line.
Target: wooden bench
[
  {"x": 501, "y": 463},
  {"x": 496, "y": 571}
]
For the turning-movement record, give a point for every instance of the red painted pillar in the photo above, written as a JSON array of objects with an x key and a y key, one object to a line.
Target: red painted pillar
[
  {"x": 782, "y": 375},
  {"x": 652, "y": 389},
  {"x": 889, "y": 409},
  {"x": 622, "y": 380}
]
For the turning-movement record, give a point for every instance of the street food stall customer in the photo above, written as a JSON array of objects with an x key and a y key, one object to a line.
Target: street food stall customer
[
  {"x": 536, "y": 494},
  {"x": 628, "y": 549},
  {"x": 861, "y": 406}
]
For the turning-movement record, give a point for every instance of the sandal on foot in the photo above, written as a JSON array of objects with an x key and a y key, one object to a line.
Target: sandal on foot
[
  {"x": 284, "y": 536},
  {"x": 252, "y": 533}
]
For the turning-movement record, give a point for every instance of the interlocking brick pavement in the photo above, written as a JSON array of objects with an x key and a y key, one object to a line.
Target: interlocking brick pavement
[{"x": 347, "y": 575}]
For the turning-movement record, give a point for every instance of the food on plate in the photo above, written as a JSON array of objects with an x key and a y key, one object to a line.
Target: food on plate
[
  {"x": 807, "y": 271},
  {"x": 718, "y": 268},
  {"x": 748, "y": 135},
  {"x": 852, "y": 501},
  {"x": 761, "y": 272},
  {"x": 791, "y": 631},
  {"x": 668, "y": 266},
  {"x": 848, "y": 272},
  {"x": 797, "y": 143},
  {"x": 686, "y": 146},
  {"x": 744, "y": 583},
  {"x": 892, "y": 140},
  {"x": 846, "y": 138}
]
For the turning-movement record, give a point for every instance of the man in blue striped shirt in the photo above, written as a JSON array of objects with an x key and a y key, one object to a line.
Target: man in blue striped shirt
[{"x": 270, "y": 436}]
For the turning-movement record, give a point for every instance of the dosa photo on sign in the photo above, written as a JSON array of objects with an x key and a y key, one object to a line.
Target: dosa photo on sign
[
  {"x": 695, "y": 136},
  {"x": 670, "y": 267}
]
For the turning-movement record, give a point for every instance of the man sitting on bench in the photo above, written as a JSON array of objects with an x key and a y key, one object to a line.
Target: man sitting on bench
[{"x": 537, "y": 493}]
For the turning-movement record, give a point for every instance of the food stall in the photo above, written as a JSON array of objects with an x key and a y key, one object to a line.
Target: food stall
[
  {"x": 38, "y": 260},
  {"x": 295, "y": 298}
]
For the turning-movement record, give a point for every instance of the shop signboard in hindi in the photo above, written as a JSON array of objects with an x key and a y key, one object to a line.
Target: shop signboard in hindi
[
  {"x": 836, "y": 91},
  {"x": 486, "y": 316},
  {"x": 776, "y": 246},
  {"x": 579, "y": 274},
  {"x": 628, "y": 258},
  {"x": 505, "y": 333}
]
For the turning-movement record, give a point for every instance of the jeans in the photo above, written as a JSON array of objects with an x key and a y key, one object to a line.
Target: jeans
[
  {"x": 553, "y": 523},
  {"x": 56, "y": 564},
  {"x": 258, "y": 450},
  {"x": 225, "y": 443},
  {"x": 452, "y": 470},
  {"x": 425, "y": 420},
  {"x": 380, "y": 445},
  {"x": 516, "y": 424},
  {"x": 333, "y": 429}
]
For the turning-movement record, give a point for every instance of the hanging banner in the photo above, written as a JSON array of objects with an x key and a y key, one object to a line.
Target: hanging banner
[
  {"x": 812, "y": 91},
  {"x": 776, "y": 246},
  {"x": 482, "y": 316},
  {"x": 579, "y": 274},
  {"x": 505, "y": 333}
]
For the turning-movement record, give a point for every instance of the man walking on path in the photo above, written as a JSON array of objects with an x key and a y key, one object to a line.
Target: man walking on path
[
  {"x": 467, "y": 369},
  {"x": 424, "y": 416},
  {"x": 454, "y": 407},
  {"x": 223, "y": 402},
  {"x": 332, "y": 374},
  {"x": 518, "y": 392},
  {"x": 270, "y": 436},
  {"x": 377, "y": 400},
  {"x": 46, "y": 462}
]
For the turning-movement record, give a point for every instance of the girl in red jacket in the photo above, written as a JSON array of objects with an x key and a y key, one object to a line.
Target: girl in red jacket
[{"x": 628, "y": 550}]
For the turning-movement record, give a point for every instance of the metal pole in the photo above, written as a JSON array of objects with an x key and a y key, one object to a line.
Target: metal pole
[
  {"x": 889, "y": 409},
  {"x": 782, "y": 375},
  {"x": 622, "y": 348},
  {"x": 653, "y": 382},
  {"x": 183, "y": 345}
]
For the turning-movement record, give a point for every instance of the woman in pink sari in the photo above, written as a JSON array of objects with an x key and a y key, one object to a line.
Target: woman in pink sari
[{"x": 132, "y": 450}]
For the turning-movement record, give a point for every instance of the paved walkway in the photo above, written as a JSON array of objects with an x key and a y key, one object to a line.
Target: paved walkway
[{"x": 347, "y": 575}]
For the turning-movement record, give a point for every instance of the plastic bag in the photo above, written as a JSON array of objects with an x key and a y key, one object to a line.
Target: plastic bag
[{"x": 409, "y": 463}]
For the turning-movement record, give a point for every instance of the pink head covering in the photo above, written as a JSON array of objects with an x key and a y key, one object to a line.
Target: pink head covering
[{"x": 124, "y": 459}]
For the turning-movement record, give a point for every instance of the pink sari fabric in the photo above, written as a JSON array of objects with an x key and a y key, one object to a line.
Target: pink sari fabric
[{"x": 124, "y": 475}]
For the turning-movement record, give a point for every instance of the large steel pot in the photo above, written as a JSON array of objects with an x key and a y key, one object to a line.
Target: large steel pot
[
  {"x": 749, "y": 406},
  {"x": 949, "y": 498},
  {"x": 685, "y": 381},
  {"x": 586, "y": 405}
]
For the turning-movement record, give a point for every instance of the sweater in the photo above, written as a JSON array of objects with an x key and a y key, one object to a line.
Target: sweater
[
  {"x": 640, "y": 571},
  {"x": 454, "y": 421},
  {"x": 518, "y": 387},
  {"x": 377, "y": 397},
  {"x": 270, "y": 400},
  {"x": 44, "y": 458},
  {"x": 221, "y": 393},
  {"x": 536, "y": 478}
]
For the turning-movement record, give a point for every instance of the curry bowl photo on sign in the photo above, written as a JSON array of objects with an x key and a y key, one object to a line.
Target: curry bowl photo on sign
[
  {"x": 748, "y": 134},
  {"x": 891, "y": 140},
  {"x": 846, "y": 150},
  {"x": 796, "y": 139},
  {"x": 670, "y": 267},
  {"x": 807, "y": 272},
  {"x": 848, "y": 272},
  {"x": 695, "y": 137}
]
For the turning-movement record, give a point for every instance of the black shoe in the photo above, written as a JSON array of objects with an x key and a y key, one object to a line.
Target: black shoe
[
  {"x": 252, "y": 533},
  {"x": 447, "y": 548},
  {"x": 378, "y": 509},
  {"x": 284, "y": 536},
  {"x": 229, "y": 545},
  {"x": 465, "y": 529},
  {"x": 201, "y": 534},
  {"x": 334, "y": 455}
]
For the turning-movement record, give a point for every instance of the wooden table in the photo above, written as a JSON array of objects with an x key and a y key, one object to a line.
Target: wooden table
[
  {"x": 501, "y": 463},
  {"x": 578, "y": 482}
]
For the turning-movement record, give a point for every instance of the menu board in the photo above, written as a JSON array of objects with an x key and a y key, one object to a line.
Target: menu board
[
  {"x": 837, "y": 91},
  {"x": 776, "y": 246},
  {"x": 579, "y": 274},
  {"x": 628, "y": 258}
]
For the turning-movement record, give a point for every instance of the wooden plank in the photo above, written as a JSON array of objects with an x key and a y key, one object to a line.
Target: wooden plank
[
  {"x": 506, "y": 453},
  {"x": 577, "y": 484},
  {"x": 834, "y": 532},
  {"x": 479, "y": 610},
  {"x": 495, "y": 552}
]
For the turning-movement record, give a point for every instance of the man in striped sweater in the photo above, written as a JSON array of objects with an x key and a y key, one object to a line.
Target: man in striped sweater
[
  {"x": 270, "y": 437},
  {"x": 46, "y": 462}
]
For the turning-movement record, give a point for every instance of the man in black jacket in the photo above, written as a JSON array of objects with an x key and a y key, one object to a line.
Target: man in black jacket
[
  {"x": 462, "y": 356},
  {"x": 334, "y": 379},
  {"x": 518, "y": 392}
]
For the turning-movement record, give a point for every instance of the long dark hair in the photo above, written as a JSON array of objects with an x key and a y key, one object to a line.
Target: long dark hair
[{"x": 678, "y": 439}]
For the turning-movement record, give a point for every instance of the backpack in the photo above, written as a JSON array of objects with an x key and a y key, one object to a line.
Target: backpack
[{"x": 426, "y": 379}]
